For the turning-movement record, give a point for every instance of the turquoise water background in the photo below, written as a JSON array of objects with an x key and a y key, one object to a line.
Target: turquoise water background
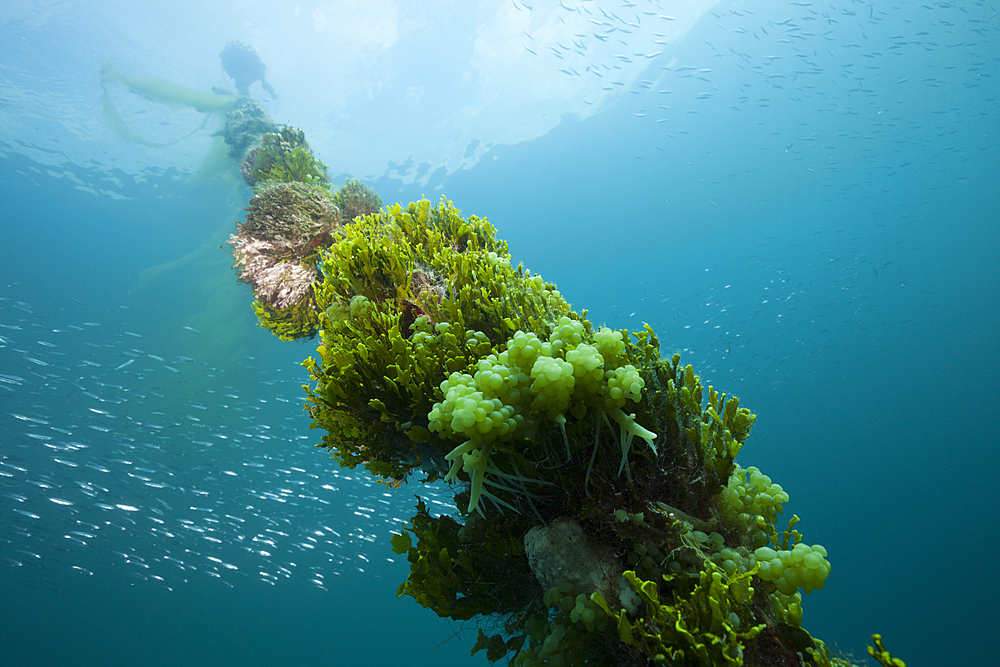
[{"x": 801, "y": 198}]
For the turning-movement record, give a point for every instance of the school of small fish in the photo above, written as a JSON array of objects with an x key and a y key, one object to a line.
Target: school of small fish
[{"x": 123, "y": 464}]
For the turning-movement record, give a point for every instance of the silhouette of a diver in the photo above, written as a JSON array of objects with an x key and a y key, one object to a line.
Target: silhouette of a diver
[{"x": 244, "y": 66}]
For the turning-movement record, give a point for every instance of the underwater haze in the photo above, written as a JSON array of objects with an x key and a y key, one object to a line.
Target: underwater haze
[{"x": 801, "y": 198}]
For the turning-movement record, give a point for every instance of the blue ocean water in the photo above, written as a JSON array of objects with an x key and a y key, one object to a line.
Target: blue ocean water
[{"x": 801, "y": 198}]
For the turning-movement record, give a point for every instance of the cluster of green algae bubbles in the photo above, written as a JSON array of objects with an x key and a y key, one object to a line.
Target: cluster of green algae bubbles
[{"x": 605, "y": 520}]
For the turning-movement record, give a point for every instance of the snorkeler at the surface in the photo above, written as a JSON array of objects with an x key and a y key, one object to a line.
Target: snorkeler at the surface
[
  {"x": 244, "y": 66},
  {"x": 239, "y": 60}
]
